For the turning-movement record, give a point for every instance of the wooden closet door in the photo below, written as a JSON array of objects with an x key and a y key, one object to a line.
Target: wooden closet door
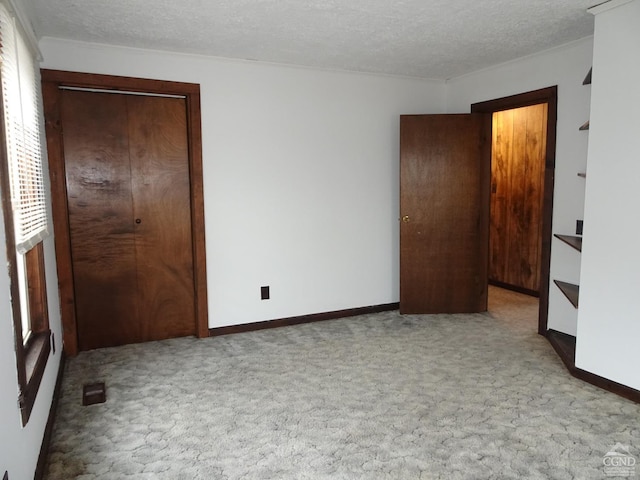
[
  {"x": 160, "y": 181},
  {"x": 127, "y": 175},
  {"x": 99, "y": 199}
]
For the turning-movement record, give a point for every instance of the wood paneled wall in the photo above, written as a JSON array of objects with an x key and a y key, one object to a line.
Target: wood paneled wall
[{"x": 517, "y": 188}]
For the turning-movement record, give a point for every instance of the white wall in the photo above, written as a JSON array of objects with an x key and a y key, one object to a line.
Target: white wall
[
  {"x": 609, "y": 316},
  {"x": 300, "y": 176},
  {"x": 301, "y": 173},
  {"x": 565, "y": 67},
  {"x": 20, "y": 447}
]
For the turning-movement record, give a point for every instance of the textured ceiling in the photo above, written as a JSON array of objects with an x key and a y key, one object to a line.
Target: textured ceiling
[{"x": 425, "y": 38}]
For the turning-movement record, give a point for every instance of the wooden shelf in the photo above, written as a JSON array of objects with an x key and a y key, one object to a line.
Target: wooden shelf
[
  {"x": 587, "y": 79},
  {"x": 571, "y": 240},
  {"x": 571, "y": 291},
  {"x": 584, "y": 126},
  {"x": 564, "y": 345}
]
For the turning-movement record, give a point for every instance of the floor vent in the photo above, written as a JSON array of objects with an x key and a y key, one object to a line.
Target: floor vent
[{"x": 93, "y": 393}]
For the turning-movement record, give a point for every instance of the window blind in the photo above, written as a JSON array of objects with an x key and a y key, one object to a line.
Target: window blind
[{"x": 22, "y": 113}]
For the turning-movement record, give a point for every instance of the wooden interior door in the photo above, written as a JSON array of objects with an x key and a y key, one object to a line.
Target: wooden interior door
[
  {"x": 444, "y": 208},
  {"x": 162, "y": 216},
  {"x": 126, "y": 165},
  {"x": 100, "y": 218},
  {"x": 517, "y": 195}
]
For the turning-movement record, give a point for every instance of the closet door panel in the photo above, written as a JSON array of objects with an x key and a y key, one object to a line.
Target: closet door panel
[
  {"x": 99, "y": 199},
  {"x": 162, "y": 215},
  {"x": 444, "y": 211}
]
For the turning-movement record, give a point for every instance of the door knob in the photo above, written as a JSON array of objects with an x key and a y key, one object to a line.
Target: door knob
[
  {"x": 405, "y": 219},
  {"x": 138, "y": 220}
]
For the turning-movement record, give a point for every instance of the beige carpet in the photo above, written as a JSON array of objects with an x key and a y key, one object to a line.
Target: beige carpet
[{"x": 378, "y": 396}]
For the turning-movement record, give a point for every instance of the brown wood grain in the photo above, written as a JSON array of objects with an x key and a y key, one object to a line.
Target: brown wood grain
[
  {"x": 537, "y": 141},
  {"x": 502, "y": 134},
  {"x": 444, "y": 196},
  {"x": 161, "y": 208},
  {"x": 52, "y": 82},
  {"x": 99, "y": 196},
  {"x": 517, "y": 172},
  {"x": 517, "y": 220},
  {"x": 129, "y": 214}
]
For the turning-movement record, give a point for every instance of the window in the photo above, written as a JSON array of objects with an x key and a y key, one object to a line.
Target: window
[{"x": 24, "y": 206}]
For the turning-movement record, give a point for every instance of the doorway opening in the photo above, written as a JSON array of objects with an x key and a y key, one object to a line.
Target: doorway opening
[{"x": 523, "y": 163}]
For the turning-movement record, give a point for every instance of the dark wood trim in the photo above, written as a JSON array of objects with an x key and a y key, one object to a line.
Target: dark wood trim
[
  {"x": 549, "y": 96},
  {"x": 37, "y": 285},
  {"x": 197, "y": 213},
  {"x": 565, "y": 347},
  {"x": 518, "y": 100},
  {"x": 314, "y": 317},
  {"x": 32, "y": 357},
  {"x": 606, "y": 384},
  {"x": 36, "y": 355},
  {"x": 52, "y": 80},
  {"x": 514, "y": 288},
  {"x": 573, "y": 241},
  {"x": 48, "y": 430},
  {"x": 51, "y": 105},
  {"x": 571, "y": 291},
  {"x": 113, "y": 82}
]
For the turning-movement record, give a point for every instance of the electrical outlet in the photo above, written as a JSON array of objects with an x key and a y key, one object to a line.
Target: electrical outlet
[
  {"x": 264, "y": 293},
  {"x": 579, "y": 227}
]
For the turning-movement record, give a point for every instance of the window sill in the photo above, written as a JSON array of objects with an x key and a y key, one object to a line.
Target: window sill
[{"x": 36, "y": 355}]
